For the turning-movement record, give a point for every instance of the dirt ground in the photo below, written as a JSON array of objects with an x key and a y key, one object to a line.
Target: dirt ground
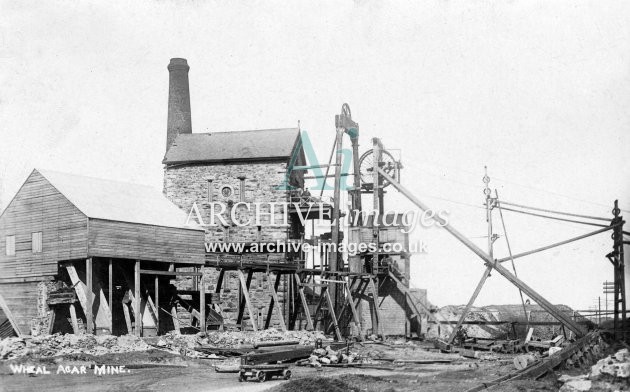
[
  {"x": 443, "y": 377},
  {"x": 155, "y": 370}
]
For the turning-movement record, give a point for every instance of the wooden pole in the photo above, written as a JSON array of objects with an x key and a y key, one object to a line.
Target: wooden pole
[
  {"x": 90, "y": 295},
  {"x": 136, "y": 288}
]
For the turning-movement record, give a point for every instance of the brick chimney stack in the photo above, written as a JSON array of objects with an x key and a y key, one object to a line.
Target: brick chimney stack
[{"x": 178, "y": 100}]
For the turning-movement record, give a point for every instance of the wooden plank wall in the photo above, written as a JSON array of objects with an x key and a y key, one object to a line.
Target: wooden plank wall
[
  {"x": 21, "y": 298},
  {"x": 38, "y": 206},
  {"x": 145, "y": 242}
]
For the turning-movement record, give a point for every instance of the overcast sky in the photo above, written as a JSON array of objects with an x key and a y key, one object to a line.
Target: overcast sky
[{"x": 538, "y": 91}]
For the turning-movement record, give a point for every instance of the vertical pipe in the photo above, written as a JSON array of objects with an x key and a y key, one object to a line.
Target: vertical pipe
[
  {"x": 376, "y": 181},
  {"x": 356, "y": 185},
  {"x": 90, "y": 295}
]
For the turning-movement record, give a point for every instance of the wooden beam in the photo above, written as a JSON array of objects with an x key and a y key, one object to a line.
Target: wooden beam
[
  {"x": 412, "y": 304},
  {"x": 137, "y": 314},
  {"x": 332, "y": 315},
  {"x": 110, "y": 294},
  {"x": 51, "y": 321},
  {"x": 319, "y": 307},
  {"x": 74, "y": 320},
  {"x": 379, "y": 320},
  {"x": 245, "y": 287},
  {"x": 127, "y": 318},
  {"x": 469, "y": 305},
  {"x": 169, "y": 273},
  {"x": 175, "y": 320},
  {"x": 7, "y": 312},
  {"x": 202, "y": 303},
  {"x": 540, "y": 300},
  {"x": 103, "y": 316},
  {"x": 90, "y": 296},
  {"x": 241, "y": 300},
  {"x": 307, "y": 312},
  {"x": 358, "y": 288},
  {"x": 274, "y": 302},
  {"x": 350, "y": 301},
  {"x": 217, "y": 291},
  {"x": 153, "y": 310}
]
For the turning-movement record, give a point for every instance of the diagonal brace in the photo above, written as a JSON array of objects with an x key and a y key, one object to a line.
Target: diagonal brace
[{"x": 540, "y": 300}]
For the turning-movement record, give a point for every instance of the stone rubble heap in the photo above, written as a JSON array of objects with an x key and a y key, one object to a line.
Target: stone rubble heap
[
  {"x": 57, "y": 344},
  {"x": 609, "y": 374},
  {"x": 327, "y": 356},
  {"x": 237, "y": 338}
]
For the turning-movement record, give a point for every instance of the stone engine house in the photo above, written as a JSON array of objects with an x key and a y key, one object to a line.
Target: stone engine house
[{"x": 206, "y": 171}]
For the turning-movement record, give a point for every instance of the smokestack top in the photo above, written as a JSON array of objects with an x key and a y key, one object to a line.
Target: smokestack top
[
  {"x": 179, "y": 120},
  {"x": 178, "y": 63}
]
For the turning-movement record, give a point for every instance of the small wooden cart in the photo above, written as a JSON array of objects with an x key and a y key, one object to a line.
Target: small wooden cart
[{"x": 263, "y": 373}]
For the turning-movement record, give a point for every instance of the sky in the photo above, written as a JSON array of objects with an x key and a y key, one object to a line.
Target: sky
[{"x": 537, "y": 91}]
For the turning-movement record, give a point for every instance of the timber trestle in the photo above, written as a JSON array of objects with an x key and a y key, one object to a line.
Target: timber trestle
[{"x": 309, "y": 302}]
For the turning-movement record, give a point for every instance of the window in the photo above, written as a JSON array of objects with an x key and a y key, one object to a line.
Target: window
[
  {"x": 242, "y": 188},
  {"x": 37, "y": 242},
  {"x": 226, "y": 191},
  {"x": 10, "y": 245}
]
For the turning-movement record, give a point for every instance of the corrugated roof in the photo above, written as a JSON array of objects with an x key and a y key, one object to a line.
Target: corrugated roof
[
  {"x": 232, "y": 146},
  {"x": 118, "y": 201}
]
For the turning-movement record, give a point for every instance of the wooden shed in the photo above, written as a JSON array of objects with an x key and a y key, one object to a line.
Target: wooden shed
[{"x": 110, "y": 246}]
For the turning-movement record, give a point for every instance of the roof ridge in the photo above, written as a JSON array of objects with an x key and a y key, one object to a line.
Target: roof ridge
[
  {"x": 248, "y": 130},
  {"x": 44, "y": 171}
]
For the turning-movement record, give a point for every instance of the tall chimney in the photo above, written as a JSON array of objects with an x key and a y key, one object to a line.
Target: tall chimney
[{"x": 178, "y": 100}]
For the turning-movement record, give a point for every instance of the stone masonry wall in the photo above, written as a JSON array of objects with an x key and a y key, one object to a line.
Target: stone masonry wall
[{"x": 204, "y": 184}]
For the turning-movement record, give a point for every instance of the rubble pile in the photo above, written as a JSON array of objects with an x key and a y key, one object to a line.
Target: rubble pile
[
  {"x": 327, "y": 356},
  {"x": 608, "y": 374},
  {"x": 57, "y": 344},
  {"x": 239, "y": 338}
]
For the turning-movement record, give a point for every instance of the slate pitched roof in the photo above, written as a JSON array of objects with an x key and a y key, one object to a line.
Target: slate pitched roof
[
  {"x": 118, "y": 201},
  {"x": 256, "y": 145}
]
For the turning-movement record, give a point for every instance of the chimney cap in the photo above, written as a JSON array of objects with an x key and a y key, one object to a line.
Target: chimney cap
[{"x": 178, "y": 63}]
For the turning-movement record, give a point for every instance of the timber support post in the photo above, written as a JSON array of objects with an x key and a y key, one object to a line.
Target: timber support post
[
  {"x": 136, "y": 299},
  {"x": 90, "y": 296},
  {"x": 202, "y": 303},
  {"x": 110, "y": 294}
]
